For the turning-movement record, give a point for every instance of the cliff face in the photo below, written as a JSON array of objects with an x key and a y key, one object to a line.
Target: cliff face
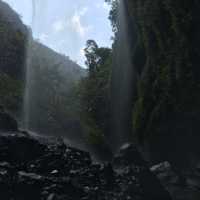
[
  {"x": 13, "y": 37},
  {"x": 52, "y": 80},
  {"x": 166, "y": 111},
  {"x": 13, "y": 50}
]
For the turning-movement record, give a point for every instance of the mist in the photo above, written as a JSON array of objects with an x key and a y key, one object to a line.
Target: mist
[{"x": 99, "y": 100}]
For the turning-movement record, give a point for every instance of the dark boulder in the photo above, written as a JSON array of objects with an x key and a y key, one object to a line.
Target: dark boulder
[
  {"x": 190, "y": 190},
  {"x": 130, "y": 163},
  {"x": 19, "y": 148},
  {"x": 28, "y": 186},
  {"x": 128, "y": 155},
  {"x": 5, "y": 180},
  {"x": 7, "y": 123},
  {"x": 33, "y": 168}
]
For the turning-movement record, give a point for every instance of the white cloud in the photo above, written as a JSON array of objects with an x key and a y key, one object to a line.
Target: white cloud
[
  {"x": 83, "y": 11},
  {"x": 58, "y": 26},
  {"x": 82, "y": 52},
  {"x": 77, "y": 25},
  {"x": 82, "y": 57},
  {"x": 103, "y": 5}
]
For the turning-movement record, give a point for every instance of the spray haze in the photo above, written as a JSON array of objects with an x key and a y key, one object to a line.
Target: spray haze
[{"x": 122, "y": 81}]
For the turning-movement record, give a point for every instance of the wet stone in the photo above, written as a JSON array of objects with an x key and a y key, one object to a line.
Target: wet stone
[{"x": 54, "y": 171}]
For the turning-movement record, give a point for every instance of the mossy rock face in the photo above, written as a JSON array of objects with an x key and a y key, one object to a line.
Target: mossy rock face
[{"x": 167, "y": 108}]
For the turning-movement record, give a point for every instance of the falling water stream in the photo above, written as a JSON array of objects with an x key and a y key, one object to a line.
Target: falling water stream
[
  {"x": 28, "y": 71},
  {"x": 121, "y": 83}
]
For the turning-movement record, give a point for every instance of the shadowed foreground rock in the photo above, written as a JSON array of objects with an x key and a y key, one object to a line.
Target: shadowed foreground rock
[
  {"x": 36, "y": 168},
  {"x": 7, "y": 123},
  {"x": 189, "y": 189},
  {"x": 130, "y": 164}
]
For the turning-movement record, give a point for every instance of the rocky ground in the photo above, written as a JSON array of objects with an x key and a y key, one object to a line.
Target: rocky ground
[
  {"x": 188, "y": 188},
  {"x": 34, "y": 168}
]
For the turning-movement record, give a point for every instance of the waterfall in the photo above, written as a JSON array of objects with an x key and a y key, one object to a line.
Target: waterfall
[
  {"x": 28, "y": 71},
  {"x": 122, "y": 81}
]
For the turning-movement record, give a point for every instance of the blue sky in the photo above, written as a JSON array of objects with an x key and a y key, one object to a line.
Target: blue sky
[{"x": 66, "y": 25}]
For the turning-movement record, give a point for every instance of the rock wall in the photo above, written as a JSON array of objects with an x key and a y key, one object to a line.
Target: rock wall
[
  {"x": 166, "y": 58},
  {"x": 14, "y": 35}
]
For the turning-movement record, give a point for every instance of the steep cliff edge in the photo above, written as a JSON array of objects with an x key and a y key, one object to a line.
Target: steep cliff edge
[{"x": 167, "y": 107}]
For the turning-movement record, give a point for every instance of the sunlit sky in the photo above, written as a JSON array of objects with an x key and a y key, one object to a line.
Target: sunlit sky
[{"x": 66, "y": 25}]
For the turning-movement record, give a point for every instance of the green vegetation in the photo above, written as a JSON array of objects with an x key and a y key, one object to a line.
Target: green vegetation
[
  {"x": 11, "y": 92},
  {"x": 95, "y": 92},
  {"x": 12, "y": 53}
]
